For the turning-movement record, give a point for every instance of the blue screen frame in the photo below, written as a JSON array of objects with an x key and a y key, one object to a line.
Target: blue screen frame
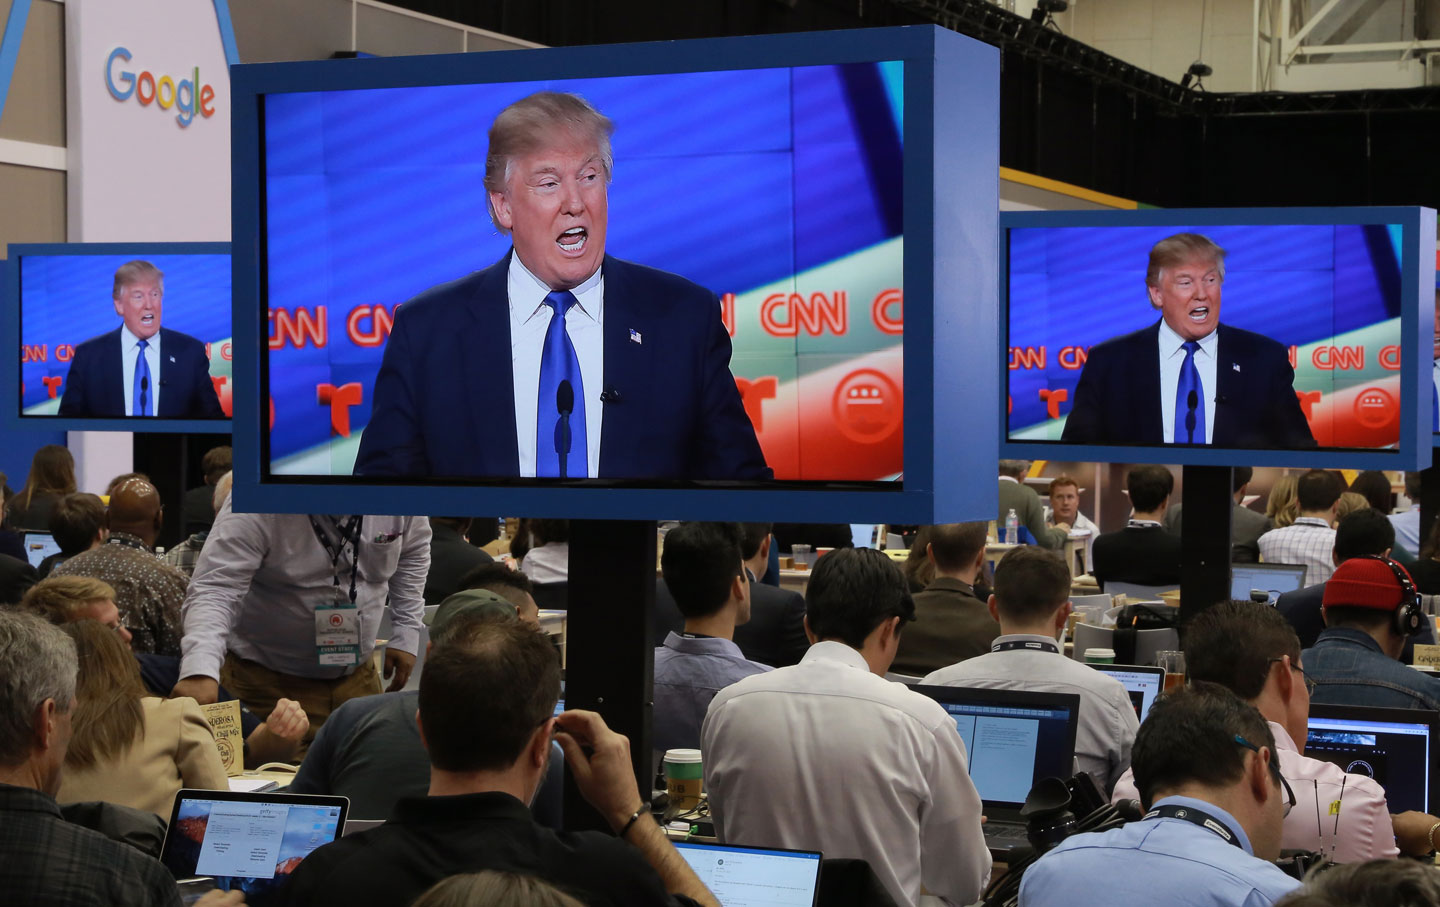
[
  {"x": 10, "y": 338},
  {"x": 951, "y": 296},
  {"x": 1417, "y": 327}
]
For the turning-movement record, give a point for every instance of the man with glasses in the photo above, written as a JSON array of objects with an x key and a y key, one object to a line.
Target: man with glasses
[
  {"x": 1205, "y": 763},
  {"x": 1253, "y": 651}
]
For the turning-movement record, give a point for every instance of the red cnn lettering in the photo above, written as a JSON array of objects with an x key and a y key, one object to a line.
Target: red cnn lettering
[
  {"x": 340, "y": 399},
  {"x": 1053, "y": 399},
  {"x": 880, "y": 311},
  {"x": 32, "y": 353},
  {"x": 752, "y": 392},
  {"x": 1294, "y": 356},
  {"x": 222, "y": 390},
  {"x": 295, "y": 329},
  {"x": 1307, "y": 399},
  {"x": 1071, "y": 358},
  {"x": 814, "y": 315},
  {"x": 64, "y": 352},
  {"x": 1344, "y": 358},
  {"x": 1026, "y": 357},
  {"x": 380, "y": 323},
  {"x": 1390, "y": 358},
  {"x": 272, "y": 413},
  {"x": 223, "y": 351},
  {"x": 52, "y": 384},
  {"x": 727, "y": 312}
]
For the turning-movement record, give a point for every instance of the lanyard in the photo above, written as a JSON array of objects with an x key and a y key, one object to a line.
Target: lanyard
[
  {"x": 349, "y": 532},
  {"x": 1030, "y": 644},
  {"x": 1195, "y": 817}
]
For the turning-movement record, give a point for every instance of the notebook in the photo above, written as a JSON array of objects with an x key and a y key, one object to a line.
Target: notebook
[
  {"x": 249, "y": 842},
  {"x": 1144, "y": 684},
  {"x": 1272, "y": 579},
  {"x": 1013, "y": 738},
  {"x": 1396, "y": 747},
  {"x": 755, "y": 875},
  {"x": 38, "y": 546}
]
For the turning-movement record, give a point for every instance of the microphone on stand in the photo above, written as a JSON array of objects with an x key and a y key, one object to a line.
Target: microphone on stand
[
  {"x": 565, "y": 405},
  {"x": 1191, "y": 403},
  {"x": 144, "y": 392}
]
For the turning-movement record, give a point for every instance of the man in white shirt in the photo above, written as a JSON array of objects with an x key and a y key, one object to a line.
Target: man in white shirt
[
  {"x": 1310, "y": 540},
  {"x": 1032, "y": 602},
  {"x": 1407, "y": 522},
  {"x": 1064, "y": 496},
  {"x": 827, "y": 755}
]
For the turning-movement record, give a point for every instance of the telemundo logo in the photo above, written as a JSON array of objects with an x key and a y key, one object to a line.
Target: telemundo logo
[{"x": 188, "y": 98}]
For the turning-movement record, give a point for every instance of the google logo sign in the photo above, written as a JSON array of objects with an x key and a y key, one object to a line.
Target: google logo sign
[{"x": 187, "y": 96}]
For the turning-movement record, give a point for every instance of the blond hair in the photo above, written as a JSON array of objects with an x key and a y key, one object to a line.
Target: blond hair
[
  {"x": 1178, "y": 250},
  {"x": 132, "y": 272},
  {"x": 61, "y": 599},
  {"x": 529, "y": 124},
  {"x": 1283, "y": 505}
]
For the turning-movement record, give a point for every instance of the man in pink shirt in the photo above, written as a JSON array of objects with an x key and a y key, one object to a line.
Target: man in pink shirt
[{"x": 1252, "y": 649}]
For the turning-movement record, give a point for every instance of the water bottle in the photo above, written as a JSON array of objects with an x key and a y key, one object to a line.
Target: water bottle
[{"x": 1012, "y": 527}]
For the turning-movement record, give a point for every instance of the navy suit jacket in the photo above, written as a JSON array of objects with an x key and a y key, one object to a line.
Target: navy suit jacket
[
  {"x": 444, "y": 400},
  {"x": 95, "y": 385},
  {"x": 1117, "y": 400}
]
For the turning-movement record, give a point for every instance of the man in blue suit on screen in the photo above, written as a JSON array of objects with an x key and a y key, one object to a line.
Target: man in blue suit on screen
[
  {"x": 616, "y": 370},
  {"x": 1188, "y": 379},
  {"x": 140, "y": 368}
]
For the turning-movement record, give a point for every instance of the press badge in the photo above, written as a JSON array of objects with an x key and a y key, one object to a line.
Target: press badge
[{"x": 337, "y": 635}]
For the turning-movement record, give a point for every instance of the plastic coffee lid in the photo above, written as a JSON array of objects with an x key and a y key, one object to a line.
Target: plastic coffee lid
[
  {"x": 1099, "y": 653},
  {"x": 680, "y": 757}
]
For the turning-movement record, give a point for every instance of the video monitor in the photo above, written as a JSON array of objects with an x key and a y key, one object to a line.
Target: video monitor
[
  {"x": 1435, "y": 366},
  {"x": 117, "y": 336},
  {"x": 1275, "y": 337},
  {"x": 688, "y": 267}
]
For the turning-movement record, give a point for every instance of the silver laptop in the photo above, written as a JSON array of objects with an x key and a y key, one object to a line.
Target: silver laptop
[
  {"x": 762, "y": 876},
  {"x": 1143, "y": 683}
]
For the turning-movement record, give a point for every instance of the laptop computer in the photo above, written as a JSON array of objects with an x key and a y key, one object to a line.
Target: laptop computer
[
  {"x": 1013, "y": 738},
  {"x": 1272, "y": 579},
  {"x": 1143, "y": 683},
  {"x": 249, "y": 842},
  {"x": 756, "y": 875},
  {"x": 38, "y": 546},
  {"x": 1396, "y": 747}
]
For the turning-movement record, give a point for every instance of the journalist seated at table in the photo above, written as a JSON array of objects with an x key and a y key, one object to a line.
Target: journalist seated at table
[{"x": 1216, "y": 803}]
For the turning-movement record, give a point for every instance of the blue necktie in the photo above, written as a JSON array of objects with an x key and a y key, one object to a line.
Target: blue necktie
[
  {"x": 141, "y": 406},
  {"x": 559, "y": 363},
  {"x": 1189, "y": 424},
  {"x": 1434, "y": 407}
]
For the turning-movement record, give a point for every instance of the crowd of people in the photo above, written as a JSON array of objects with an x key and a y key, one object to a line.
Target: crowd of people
[{"x": 809, "y": 742}]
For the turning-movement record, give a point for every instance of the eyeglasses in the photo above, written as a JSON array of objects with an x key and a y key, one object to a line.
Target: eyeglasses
[
  {"x": 1309, "y": 684},
  {"x": 1274, "y": 770}
]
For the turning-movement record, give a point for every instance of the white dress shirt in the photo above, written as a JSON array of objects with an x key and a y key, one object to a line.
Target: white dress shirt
[
  {"x": 1107, "y": 724},
  {"x": 1360, "y": 829},
  {"x": 261, "y": 576},
  {"x": 1407, "y": 529},
  {"x": 1172, "y": 359},
  {"x": 1309, "y": 541},
  {"x": 129, "y": 346},
  {"x": 824, "y": 755},
  {"x": 529, "y": 320}
]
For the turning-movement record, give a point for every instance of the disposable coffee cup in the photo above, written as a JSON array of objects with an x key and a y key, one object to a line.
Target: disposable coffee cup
[
  {"x": 684, "y": 776},
  {"x": 1099, "y": 656}
]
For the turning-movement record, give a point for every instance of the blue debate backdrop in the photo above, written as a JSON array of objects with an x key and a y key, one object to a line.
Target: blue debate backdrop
[
  {"x": 737, "y": 180},
  {"x": 66, "y": 300},
  {"x": 1331, "y": 292}
]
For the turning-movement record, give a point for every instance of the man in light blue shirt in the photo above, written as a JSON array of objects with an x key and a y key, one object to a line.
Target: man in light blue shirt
[
  {"x": 705, "y": 573},
  {"x": 1206, "y": 768}
]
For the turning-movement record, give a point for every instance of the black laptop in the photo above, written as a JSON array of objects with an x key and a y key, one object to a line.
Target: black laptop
[{"x": 1013, "y": 738}]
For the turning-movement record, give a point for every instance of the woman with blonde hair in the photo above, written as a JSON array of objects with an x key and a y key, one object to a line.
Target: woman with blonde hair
[
  {"x": 1283, "y": 506},
  {"x": 1350, "y": 501},
  {"x": 494, "y": 889},
  {"x": 127, "y": 746}
]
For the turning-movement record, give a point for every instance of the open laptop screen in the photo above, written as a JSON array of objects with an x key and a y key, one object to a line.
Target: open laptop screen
[
  {"x": 248, "y": 842},
  {"x": 1393, "y": 746},
  {"x": 1012, "y": 738},
  {"x": 1273, "y": 579},
  {"x": 38, "y": 546},
  {"x": 1144, "y": 684},
  {"x": 752, "y": 875}
]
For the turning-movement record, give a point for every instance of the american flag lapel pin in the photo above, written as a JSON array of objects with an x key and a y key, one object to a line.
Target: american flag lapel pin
[
  {"x": 635, "y": 336},
  {"x": 1235, "y": 366}
]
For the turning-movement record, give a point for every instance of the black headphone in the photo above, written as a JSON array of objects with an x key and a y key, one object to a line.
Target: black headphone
[{"x": 1409, "y": 616}]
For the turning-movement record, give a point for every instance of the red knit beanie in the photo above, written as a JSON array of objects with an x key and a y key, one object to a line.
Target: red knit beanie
[{"x": 1364, "y": 582}]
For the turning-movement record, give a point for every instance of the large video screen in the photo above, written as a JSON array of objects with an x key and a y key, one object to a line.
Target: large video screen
[
  {"x": 130, "y": 337},
  {"x": 730, "y": 287},
  {"x": 1240, "y": 336}
]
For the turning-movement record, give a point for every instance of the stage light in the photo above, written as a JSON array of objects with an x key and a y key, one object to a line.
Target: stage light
[{"x": 1197, "y": 71}]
